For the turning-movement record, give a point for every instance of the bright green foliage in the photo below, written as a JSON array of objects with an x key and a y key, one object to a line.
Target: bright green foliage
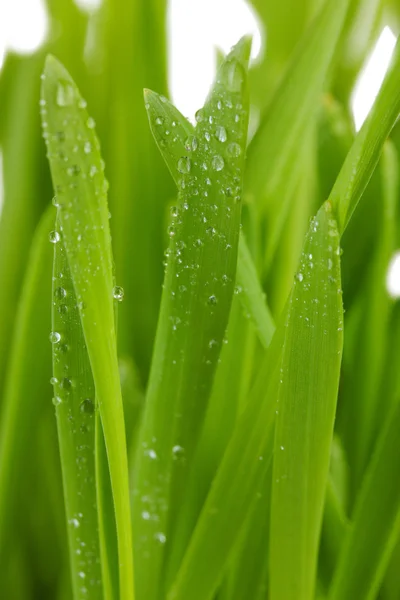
[{"x": 252, "y": 433}]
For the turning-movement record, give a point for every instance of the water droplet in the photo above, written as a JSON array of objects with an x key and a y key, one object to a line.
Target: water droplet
[
  {"x": 330, "y": 264},
  {"x": 54, "y": 237},
  {"x": 207, "y": 136},
  {"x": 159, "y": 121},
  {"x": 212, "y": 299},
  {"x": 191, "y": 143},
  {"x": 299, "y": 276},
  {"x": 82, "y": 103},
  {"x": 63, "y": 309},
  {"x": 91, "y": 123},
  {"x": 199, "y": 116},
  {"x": 81, "y": 574},
  {"x": 87, "y": 148},
  {"x": 65, "y": 94},
  {"x": 220, "y": 134},
  {"x": 93, "y": 171},
  {"x": 233, "y": 75},
  {"x": 174, "y": 211},
  {"x": 118, "y": 293},
  {"x": 87, "y": 406},
  {"x": 60, "y": 293},
  {"x": 66, "y": 383},
  {"x": 184, "y": 165},
  {"x": 74, "y": 522},
  {"x": 146, "y": 515},
  {"x": 217, "y": 163},
  {"x": 56, "y": 400},
  {"x": 54, "y": 337},
  {"x": 234, "y": 149},
  {"x": 74, "y": 170},
  {"x": 160, "y": 537},
  {"x": 151, "y": 454},
  {"x": 178, "y": 452},
  {"x": 53, "y": 380},
  {"x": 171, "y": 231}
]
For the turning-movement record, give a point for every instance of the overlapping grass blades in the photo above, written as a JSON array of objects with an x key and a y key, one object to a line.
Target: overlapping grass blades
[
  {"x": 81, "y": 193},
  {"x": 198, "y": 290}
]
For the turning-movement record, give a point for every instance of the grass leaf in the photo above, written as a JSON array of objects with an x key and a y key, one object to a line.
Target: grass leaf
[
  {"x": 80, "y": 186},
  {"x": 197, "y": 295}
]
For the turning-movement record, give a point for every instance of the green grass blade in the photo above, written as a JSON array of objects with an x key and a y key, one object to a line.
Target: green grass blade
[
  {"x": 29, "y": 373},
  {"x": 364, "y": 154},
  {"x": 292, "y": 112},
  {"x": 74, "y": 399},
  {"x": 376, "y": 522},
  {"x": 236, "y": 484},
  {"x": 78, "y": 178},
  {"x": 161, "y": 111},
  {"x": 252, "y": 295},
  {"x": 306, "y": 407},
  {"x": 197, "y": 295},
  {"x": 136, "y": 56},
  {"x": 372, "y": 341}
]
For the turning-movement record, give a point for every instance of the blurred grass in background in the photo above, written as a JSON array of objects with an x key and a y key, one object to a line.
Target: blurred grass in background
[{"x": 239, "y": 510}]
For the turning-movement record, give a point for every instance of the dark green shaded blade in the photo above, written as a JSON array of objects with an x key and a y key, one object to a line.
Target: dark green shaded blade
[
  {"x": 74, "y": 400},
  {"x": 28, "y": 377},
  {"x": 81, "y": 188},
  {"x": 197, "y": 295},
  {"x": 376, "y": 521}
]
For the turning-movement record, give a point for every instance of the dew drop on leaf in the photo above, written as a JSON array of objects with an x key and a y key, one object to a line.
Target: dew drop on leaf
[
  {"x": 217, "y": 163},
  {"x": 65, "y": 94},
  {"x": 54, "y": 237},
  {"x": 56, "y": 401},
  {"x": 234, "y": 150},
  {"x": 220, "y": 134},
  {"x": 212, "y": 300},
  {"x": 118, "y": 293},
  {"x": 54, "y": 337},
  {"x": 87, "y": 406},
  {"x": 184, "y": 165}
]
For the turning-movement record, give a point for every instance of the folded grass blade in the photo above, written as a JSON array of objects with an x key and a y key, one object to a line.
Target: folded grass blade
[
  {"x": 198, "y": 290},
  {"x": 80, "y": 186},
  {"x": 74, "y": 400}
]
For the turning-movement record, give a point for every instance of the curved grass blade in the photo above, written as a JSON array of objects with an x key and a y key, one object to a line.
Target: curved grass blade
[
  {"x": 365, "y": 151},
  {"x": 29, "y": 373},
  {"x": 197, "y": 295},
  {"x": 77, "y": 173},
  {"x": 306, "y": 406},
  {"x": 74, "y": 400},
  {"x": 366, "y": 405},
  {"x": 376, "y": 522}
]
